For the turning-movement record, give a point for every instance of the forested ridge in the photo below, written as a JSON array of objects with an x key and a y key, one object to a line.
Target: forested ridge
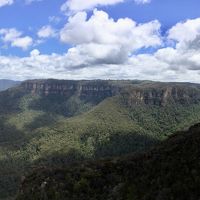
[{"x": 52, "y": 123}]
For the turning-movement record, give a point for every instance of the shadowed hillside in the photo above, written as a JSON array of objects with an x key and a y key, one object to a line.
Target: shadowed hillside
[{"x": 171, "y": 171}]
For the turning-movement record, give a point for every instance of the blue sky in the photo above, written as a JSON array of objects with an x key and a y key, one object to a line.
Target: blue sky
[
  {"x": 29, "y": 18},
  {"x": 89, "y": 39}
]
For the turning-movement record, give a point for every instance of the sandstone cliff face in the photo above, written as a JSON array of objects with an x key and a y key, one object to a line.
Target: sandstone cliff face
[
  {"x": 67, "y": 88},
  {"x": 162, "y": 95},
  {"x": 133, "y": 94}
]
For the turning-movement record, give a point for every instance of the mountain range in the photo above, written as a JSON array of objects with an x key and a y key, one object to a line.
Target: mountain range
[
  {"x": 5, "y": 84},
  {"x": 52, "y": 123}
]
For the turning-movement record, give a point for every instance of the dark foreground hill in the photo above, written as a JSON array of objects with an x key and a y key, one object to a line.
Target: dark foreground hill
[
  {"x": 5, "y": 84},
  {"x": 55, "y": 122},
  {"x": 171, "y": 171}
]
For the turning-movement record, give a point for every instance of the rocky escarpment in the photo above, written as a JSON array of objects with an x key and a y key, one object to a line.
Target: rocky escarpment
[
  {"x": 83, "y": 89},
  {"x": 162, "y": 94},
  {"x": 133, "y": 93}
]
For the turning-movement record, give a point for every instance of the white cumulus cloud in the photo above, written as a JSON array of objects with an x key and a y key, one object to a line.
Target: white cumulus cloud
[
  {"x": 6, "y": 2},
  {"x": 34, "y": 53},
  {"x": 102, "y": 39},
  {"x": 46, "y": 32},
  {"x": 14, "y": 37},
  {"x": 104, "y": 48},
  {"x": 23, "y": 42},
  {"x": 185, "y": 32},
  {"x": 80, "y": 5},
  {"x": 74, "y": 6},
  {"x": 186, "y": 53},
  {"x": 142, "y": 1}
]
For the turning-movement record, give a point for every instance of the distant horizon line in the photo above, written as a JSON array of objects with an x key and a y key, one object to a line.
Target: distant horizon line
[{"x": 48, "y": 79}]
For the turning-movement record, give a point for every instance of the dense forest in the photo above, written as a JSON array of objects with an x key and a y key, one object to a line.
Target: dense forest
[
  {"x": 170, "y": 171},
  {"x": 52, "y": 123}
]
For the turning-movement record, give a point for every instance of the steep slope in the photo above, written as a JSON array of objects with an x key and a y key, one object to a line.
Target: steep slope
[
  {"x": 5, "y": 84},
  {"x": 171, "y": 171},
  {"x": 54, "y": 122}
]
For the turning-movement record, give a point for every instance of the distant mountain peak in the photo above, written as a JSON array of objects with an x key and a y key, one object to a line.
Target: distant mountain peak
[{"x": 6, "y": 83}]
